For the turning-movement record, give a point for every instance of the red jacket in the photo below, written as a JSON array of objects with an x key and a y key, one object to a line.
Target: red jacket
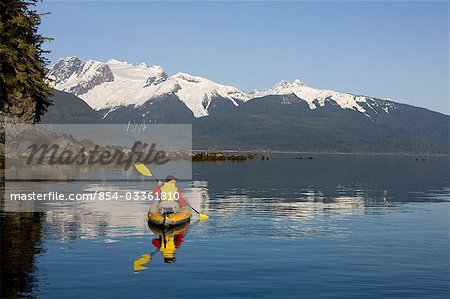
[
  {"x": 181, "y": 199},
  {"x": 178, "y": 240}
]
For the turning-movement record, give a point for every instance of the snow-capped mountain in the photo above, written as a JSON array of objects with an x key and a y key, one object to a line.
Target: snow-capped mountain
[
  {"x": 114, "y": 84},
  {"x": 195, "y": 92},
  {"x": 289, "y": 116},
  {"x": 103, "y": 85},
  {"x": 314, "y": 97}
]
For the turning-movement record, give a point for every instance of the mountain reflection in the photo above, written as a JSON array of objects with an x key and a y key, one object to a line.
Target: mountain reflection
[{"x": 108, "y": 220}]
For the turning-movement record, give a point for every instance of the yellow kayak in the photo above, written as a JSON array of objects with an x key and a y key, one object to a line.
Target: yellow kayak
[
  {"x": 168, "y": 214},
  {"x": 170, "y": 231}
]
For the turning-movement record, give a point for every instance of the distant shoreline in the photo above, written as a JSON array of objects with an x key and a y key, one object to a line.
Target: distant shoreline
[{"x": 316, "y": 153}]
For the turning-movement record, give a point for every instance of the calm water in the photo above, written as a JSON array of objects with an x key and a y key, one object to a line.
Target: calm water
[{"x": 335, "y": 226}]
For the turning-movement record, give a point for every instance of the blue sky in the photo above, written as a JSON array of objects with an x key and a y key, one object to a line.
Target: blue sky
[{"x": 397, "y": 49}]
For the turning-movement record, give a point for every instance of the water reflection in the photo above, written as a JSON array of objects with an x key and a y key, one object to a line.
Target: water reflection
[
  {"x": 111, "y": 220},
  {"x": 166, "y": 243},
  {"x": 298, "y": 203},
  {"x": 21, "y": 243},
  {"x": 115, "y": 219},
  {"x": 276, "y": 199}
]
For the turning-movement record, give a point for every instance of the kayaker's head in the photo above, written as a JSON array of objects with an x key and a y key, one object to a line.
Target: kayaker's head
[
  {"x": 169, "y": 260},
  {"x": 168, "y": 250},
  {"x": 170, "y": 179}
]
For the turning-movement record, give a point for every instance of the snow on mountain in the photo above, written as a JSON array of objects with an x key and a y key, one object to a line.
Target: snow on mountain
[
  {"x": 104, "y": 85},
  {"x": 76, "y": 76},
  {"x": 197, "y": 92},
  {"x": 313, "y": 96},
  {"x": 114, "y": 83}
]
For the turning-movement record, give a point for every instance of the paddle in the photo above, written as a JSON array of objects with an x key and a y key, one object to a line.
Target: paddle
[
  {"x": 138, "y": 264},
  {"x": 144, "y": 170}
]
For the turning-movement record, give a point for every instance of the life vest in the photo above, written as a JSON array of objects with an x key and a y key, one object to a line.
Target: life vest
[
  {"x": 168, "y": 249},
  {"x": 169, "y": 191}
]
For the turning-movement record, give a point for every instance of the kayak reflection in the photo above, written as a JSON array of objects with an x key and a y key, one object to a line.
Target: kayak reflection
[{"x": 168, "y": 240}]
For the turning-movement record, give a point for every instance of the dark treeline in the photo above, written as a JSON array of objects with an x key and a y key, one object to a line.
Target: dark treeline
[{"x": 24, "y": 98}]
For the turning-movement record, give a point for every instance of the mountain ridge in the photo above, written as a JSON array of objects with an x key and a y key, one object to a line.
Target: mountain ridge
[
  {"x": 115, "y": 83},
  {"x": 269, "y": 125},
  {"x": 289, "y": 116}
]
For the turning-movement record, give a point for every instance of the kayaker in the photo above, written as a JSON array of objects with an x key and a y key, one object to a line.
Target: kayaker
[
  {"x": 167, "y": 245},
  {"x": 168, "y": 190}
]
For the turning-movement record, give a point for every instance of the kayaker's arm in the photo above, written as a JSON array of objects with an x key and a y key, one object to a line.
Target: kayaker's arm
[
  {"x": 178, "y": 240},
  {"x": 156, "y": 242},
  {"x": 157, "y": 190},
  {"x": 181, "y": 199}
]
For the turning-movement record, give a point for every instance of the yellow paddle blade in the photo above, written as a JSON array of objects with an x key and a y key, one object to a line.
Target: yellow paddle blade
[
  {"x": 138, "y": 264},
  {"x": 203, "y": 216},
  {"x": 143, "y": 169}
]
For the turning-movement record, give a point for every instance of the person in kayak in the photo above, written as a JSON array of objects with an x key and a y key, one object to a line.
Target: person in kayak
[
  {"x": 166, "y": 242},
  {"x": 168, "y": 190},
  {"x": 168, "y": 245}
]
